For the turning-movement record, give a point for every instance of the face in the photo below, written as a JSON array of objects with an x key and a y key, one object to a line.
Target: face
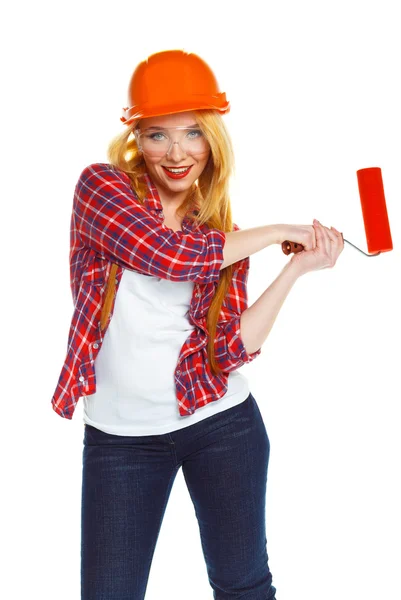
[{"x": 175, "y": 158}]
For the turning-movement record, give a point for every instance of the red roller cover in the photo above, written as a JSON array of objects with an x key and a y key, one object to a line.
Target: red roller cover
[{"x": 374, "y": 210}]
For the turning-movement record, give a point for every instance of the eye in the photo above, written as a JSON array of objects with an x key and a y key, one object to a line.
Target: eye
[
  {"x": 197, "y": 133},
  {"x": 152, "y": 136}
]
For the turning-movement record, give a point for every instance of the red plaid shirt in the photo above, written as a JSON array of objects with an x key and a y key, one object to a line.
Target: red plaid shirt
[{"x": 108, "y": 224}]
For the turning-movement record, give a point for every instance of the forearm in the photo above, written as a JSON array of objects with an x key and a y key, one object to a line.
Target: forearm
[
  {"x": 245, "y": 242},
  {"x": 257, "y": 320}
]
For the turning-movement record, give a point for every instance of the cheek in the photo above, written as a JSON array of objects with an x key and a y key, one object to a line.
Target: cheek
[
  {"x": 203, "y": 160},
  {"x": 152, "y": 162}
]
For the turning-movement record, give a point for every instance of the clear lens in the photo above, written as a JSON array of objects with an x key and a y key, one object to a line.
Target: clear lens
[{"x": 157, "y": 142}]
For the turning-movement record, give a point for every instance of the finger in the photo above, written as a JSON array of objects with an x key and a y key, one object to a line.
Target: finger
[
  {"x": 340, "y": 244},
  {"x": 313, "y": 234},
  {"x": 310, "y": 237},
  {"x": 335, "y": 243},
  {"x": 329, "y": 241},
  {"x": 339, "y": 234},
  {"x": 318, "y": 234},
  {"x": 326, "y": 243},
  {"x": 332, "y": 235}
]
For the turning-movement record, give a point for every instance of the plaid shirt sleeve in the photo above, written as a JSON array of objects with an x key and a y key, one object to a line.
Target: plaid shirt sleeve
[
  {"x": 230, "y": 351},
  {"x": 109, "y": 219}
]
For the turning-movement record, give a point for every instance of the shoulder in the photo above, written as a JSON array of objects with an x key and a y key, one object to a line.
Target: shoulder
[
  {"x": 103, "y": 177},
  {"x": 105, "y": 170}
]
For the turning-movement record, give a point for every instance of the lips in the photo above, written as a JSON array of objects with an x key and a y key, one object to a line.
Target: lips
[
  {"x": 177, "y": 175},
  {"x": 178, "y": 167}
]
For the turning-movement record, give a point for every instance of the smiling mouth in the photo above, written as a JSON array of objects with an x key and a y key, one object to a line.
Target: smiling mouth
[
  {"x": 183, "y": 167},
  {"x": 177, "y": 173}
]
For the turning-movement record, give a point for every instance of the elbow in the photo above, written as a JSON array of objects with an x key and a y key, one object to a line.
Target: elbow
[
  {"x": 249, "y": 338},
  {"x": 230, "y": 349}
]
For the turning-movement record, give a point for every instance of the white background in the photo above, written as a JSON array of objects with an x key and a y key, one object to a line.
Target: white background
[{"x": 315, "y": 95}]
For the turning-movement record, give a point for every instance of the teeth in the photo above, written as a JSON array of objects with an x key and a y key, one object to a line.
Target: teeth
[{"x": 177, "y": 170}]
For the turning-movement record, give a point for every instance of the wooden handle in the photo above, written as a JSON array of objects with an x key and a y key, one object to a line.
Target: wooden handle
[{"x": 289, "y": 247}]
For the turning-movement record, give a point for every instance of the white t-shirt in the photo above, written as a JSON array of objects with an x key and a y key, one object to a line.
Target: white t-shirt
[{"x": 135, "y": 389}]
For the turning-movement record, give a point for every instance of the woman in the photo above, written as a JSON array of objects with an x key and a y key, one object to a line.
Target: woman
[{"x": 160, "y": 328}]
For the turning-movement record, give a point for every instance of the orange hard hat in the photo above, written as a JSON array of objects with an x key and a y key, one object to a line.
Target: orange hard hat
[{"x": 172, "y": 81}]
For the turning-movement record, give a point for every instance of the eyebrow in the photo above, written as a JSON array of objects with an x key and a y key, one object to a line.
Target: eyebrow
[{"x": 183, "y": 126}]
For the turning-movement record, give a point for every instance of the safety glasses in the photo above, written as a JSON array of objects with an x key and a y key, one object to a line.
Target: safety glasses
[{"x": 157, "y": 141}]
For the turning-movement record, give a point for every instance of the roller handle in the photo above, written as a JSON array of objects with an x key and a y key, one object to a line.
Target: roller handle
[{"x": 289, "y": 247}]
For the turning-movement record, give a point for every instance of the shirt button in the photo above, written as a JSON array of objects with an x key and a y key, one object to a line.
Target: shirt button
[
  {"x": 116, "y": 281},
  {"x": 82, "y": 378},
  {"x": 95, "y": 345},
  {"x": 178, "y": 372}
]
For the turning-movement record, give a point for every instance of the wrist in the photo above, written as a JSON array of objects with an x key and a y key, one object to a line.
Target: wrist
[
  {"x": 294, "y": 267},
  {"x": 276, "y": 232}
]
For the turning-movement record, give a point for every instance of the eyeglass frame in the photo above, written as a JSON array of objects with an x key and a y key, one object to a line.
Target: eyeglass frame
[{"x": 197, "y": 128}]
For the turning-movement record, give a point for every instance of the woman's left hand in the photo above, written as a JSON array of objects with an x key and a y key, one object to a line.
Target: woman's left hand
[{"x": 299, "y": 234}]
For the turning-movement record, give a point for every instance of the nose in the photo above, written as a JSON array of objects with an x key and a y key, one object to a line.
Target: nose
[{"x": 175, "y": 152}]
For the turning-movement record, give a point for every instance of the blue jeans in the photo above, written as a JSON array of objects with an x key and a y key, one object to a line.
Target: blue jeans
[{"x": 126, "y": 483}]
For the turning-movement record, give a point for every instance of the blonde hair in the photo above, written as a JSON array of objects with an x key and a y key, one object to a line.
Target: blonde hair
[{"x": 211, "y": 195}]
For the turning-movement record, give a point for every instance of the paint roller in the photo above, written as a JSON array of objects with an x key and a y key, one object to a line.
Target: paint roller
[{"x": 374, "y": 212}]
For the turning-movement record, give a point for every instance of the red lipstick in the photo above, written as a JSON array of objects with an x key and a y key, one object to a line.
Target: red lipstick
[{"x": 177, "y": 175}]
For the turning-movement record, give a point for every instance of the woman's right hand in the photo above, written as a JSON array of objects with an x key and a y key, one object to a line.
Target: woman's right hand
[{"x": 329, "y": 245}]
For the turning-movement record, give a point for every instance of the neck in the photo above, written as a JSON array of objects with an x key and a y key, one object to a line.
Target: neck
[{"x": 171, "y": 200}]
